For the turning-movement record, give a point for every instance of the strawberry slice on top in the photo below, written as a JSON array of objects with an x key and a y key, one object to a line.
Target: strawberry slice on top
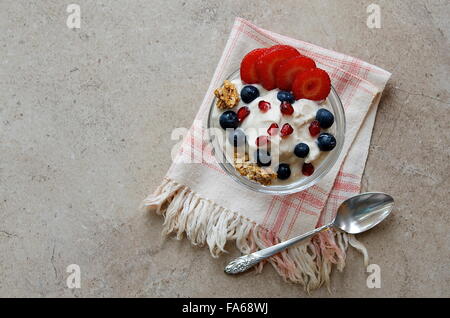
[
  {"x": 279, "y": 46},
  {"x": 268, "y": 63},
  {"x": 290, "y": 68},
  {"x": 248, "y": 66},
  {"x": 313, "y": 84}
]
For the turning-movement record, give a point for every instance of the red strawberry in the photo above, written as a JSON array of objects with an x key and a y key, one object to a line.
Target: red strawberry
[
  {"x": 248, "y": 66},
  {"x": 242, "y": 113},
  {"x": 262, "y": 141},
  {"x": 263, "y": 106},
  {"x": 290, "y": 68},
  {"x": 313, "y": 84},
  {"x": 286, "y": 130},
  {"x": 307, "y": 169},
  {"x": 279, "y": 46},
  {"x": 273, "y": 129},
  {"x": 286, "y": 108},
  {"x": 268, "y": 63},
  {"x": 314, "y": 128}
]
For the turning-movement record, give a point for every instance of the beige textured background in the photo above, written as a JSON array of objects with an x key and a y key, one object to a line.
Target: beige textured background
[{"x": 85, "y": 122}]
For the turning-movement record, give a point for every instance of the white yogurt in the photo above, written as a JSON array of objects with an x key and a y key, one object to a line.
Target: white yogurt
[{"x": 282, "y": 148}]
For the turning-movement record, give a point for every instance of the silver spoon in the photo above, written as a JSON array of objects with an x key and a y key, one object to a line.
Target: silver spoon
[{"x": 355, "y": 215}]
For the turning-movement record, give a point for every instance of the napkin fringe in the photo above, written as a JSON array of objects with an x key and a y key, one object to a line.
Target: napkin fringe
[{"x": 205, "y": 222}]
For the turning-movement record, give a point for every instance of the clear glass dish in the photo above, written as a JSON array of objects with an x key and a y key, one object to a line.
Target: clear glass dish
[{"x": 338, "y": 129}]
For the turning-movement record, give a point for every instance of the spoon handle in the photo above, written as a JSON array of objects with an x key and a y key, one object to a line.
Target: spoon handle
[{"x": 243, "y": 263}]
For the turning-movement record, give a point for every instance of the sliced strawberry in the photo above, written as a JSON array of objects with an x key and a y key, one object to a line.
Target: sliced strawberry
[
  {"x": 313, "y": 84},
  {"x": 280, "y": 46},
  {"x": 248, "y": 66},
  {"x": 290, "y": 68},
  {"x": 268, "y": 63}
]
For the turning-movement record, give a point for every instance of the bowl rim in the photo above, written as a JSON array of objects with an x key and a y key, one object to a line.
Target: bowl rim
[{"x": 296, "y": 186}]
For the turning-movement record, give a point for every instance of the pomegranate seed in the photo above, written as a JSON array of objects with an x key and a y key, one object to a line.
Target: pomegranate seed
[
  {"x": 273, "y": 129},
  {"x": 286, "y": 108},
  {"x": 264, "y": 106},
  {"x": 307, "y": 169},
  {"x": 242, "y": 113},
  {"x": 314, "y": 128},
  {"x": 286, "y": 130},
  {"x": 262, "y": 141}
]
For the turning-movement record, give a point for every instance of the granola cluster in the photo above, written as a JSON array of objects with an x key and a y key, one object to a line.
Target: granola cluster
[
  {"x": 227, "y": 98},
  {"x": 227, "y": 95},
  {"x": 254, "y": 172}
]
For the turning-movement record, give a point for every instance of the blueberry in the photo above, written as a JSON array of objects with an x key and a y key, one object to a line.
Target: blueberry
[
  {"x": 229, "y": 119},
  {"x": 249, "y": 93},
  {"x": 325, "y": 118},
  {"x": 301, "y": 150},
  {"x": 284, "y": 171},
  {"x": 263, "y": 158},
  {"x": 284, "y": 96},
  {"x": 326, "y": 142},
  {"x": 237, "y": 137}
]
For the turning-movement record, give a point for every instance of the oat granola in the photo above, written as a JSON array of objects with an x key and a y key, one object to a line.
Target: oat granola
[
  {"x": 253, "y": 171},
  {"x": 227, "y": 96}
]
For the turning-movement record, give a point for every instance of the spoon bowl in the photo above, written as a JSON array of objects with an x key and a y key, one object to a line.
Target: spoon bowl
[{"x": 362, "y": 212}]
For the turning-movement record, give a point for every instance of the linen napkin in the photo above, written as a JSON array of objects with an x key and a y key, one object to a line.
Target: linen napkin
[{"x": 201, "y": 201}]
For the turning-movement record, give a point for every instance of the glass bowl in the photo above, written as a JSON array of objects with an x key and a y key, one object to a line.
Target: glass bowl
[{"x": 338, "y": 129}]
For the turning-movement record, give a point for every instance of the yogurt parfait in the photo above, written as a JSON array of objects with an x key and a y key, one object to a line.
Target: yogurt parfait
[{"x": 277, "y": 124}]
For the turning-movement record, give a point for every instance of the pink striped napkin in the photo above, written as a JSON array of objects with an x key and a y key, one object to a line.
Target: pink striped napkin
[{"x": 201, "y": 201}]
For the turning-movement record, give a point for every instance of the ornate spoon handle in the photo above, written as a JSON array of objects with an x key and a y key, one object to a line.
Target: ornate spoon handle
[{"x": 243, "y": 263}]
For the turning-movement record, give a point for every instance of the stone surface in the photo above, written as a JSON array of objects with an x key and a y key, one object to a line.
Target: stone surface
[{"x": 85, "y": 123}]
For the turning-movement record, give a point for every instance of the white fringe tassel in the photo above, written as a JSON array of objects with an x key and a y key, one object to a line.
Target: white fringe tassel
[{"x": 204, "y": 222}]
